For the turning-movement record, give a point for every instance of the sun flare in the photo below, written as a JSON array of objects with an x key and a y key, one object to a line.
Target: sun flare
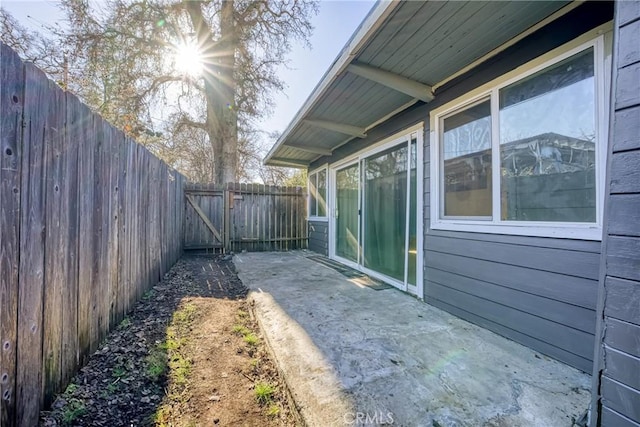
[{"x": 188, "y": 59}]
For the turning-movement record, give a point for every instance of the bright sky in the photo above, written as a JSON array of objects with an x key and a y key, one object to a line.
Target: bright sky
[{"x": 335, "y": 23}]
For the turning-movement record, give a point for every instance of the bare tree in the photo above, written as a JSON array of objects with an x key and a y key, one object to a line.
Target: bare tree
[
  {"x": 33, "y": 47},
  {"x": 127, "y": 51}
]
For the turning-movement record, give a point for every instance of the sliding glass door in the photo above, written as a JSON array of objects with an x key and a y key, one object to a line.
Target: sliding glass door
[
  {"x": 347, "y": 208},
  {"x": 376, "y": 199}
]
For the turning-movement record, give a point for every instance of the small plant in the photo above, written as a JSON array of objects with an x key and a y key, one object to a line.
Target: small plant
[
  {"x": 185, "y": 314},
  {"x": 242, "y": 314},
  {"x": 251, "y": 339},
  {"x": 240, "y": 330},
  {"x": 274, "y": 410},
  {"x": 156, "y": 363},
  {"x": 126, "y": 322},
  {"x": 75, "y": 408},
  {"x": 172, "y": 343},
  {"x": 71, "y": 388},
  {"x": 264, "y": 392},
  {"x": 112, "y": 387},
  {"x": 118, "y": 372},
  {"x": 148, "y": 295},
  {"x": 180, "y": 368},
  {"x": 162, "y": 416}
]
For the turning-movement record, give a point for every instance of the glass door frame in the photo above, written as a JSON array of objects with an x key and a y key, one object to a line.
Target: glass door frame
[
  {"x": 334, "y": 210},
  {"x": 403, "y": 137}
]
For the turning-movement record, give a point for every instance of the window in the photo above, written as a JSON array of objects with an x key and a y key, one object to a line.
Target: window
[
  {"x": 466, "y": 157},
  {"x": 318, "y": 194},
  {"x": 525, "y": 152}
]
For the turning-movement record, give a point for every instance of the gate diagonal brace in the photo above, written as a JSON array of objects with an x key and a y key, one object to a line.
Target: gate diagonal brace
[{"x": 204, "y": 218}]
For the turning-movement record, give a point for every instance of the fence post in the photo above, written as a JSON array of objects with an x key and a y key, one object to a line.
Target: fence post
[{"x": 227, "y": 204}]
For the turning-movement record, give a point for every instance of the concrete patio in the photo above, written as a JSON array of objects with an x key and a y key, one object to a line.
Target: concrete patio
[{"x": 354, "y": 355}]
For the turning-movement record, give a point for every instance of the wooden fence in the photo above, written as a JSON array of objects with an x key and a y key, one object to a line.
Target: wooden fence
[
  {"x": 252, "y": 217},
  {"x": 88, "y": 221}
]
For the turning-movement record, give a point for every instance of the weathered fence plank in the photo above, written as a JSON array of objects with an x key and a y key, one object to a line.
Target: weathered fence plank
[
  {"x": 113, "y": 157},
  {"x": 32, "y": 247},
  {"x": 86, "y": 264},
  {"x": 11, "y": 106},
  {"x": 56, "y": 243},
  {"x": 71, "y": 210}
]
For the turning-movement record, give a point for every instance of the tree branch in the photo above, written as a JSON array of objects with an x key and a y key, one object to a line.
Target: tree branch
[{"x": 185, "y": 121}]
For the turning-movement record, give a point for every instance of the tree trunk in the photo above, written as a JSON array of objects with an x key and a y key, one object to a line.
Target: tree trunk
[
  {"x": 229, "y": 114},
  {"x": 219, "y": 88}
]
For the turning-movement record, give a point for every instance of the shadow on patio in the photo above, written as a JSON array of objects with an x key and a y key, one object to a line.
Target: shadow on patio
[{"x": 352, "y": 354}]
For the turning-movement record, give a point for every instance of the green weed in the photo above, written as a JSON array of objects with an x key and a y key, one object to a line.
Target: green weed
[
  {"x": 156, "y": 363},
  {"x": 75, "y": 408},
  {"x": 118, "y": 372},
  {"x": 264, "y": 392},
  {"x": 185, "y": 314},
  {"x": 274, "y": 410},
  {"x": 126, "y": 322},
  {"x": 240, "y": 330},
  {"x": 251, "y": 339},
  {"x": 71, "y": 388}
]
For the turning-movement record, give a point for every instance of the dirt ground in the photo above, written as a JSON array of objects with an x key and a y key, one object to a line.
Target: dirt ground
[{"x": 189, "y": 354}]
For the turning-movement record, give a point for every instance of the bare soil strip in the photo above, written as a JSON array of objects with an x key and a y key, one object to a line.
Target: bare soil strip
[{"x": 189, "y": 354}]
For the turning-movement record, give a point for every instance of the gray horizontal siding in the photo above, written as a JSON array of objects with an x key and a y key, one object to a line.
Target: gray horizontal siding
[
  {"x": 622, "y": 367},
  {"x": 621, "y": 398},
  {"x": 517, "y": 336},
  {"x": 539, "y": 292},
  {"x": 623, "y": 336},
  {"x": 617, "y": 371},
  {"x": 613, "y": 419},
  {"x": 623, "y": 300},
  {"x": 319, "y": 237}
]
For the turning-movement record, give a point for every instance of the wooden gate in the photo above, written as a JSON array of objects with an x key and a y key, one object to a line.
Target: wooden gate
[{"x": 237, "y": 217}]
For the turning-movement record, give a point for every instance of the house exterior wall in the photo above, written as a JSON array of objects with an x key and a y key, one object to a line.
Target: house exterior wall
[
  {"x": 617, "y": 374},
  {"x": 319, "y": 237},
  {"x": 538, "y": 291}
]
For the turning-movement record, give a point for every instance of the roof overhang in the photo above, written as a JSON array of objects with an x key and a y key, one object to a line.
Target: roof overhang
[{"x": 399, "y": 55}]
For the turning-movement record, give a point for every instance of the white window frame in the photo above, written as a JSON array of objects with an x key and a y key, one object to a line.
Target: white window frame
[
  {"x": 600, "y": 39},
  {"x": 310, "y": 217}
]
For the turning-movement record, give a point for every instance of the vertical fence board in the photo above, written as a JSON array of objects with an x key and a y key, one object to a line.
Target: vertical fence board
[
  {"x": 113, "y": 153},
  {"x": 122, "y": 307},
  {"x": 71, "y": 210},
  {"x": 146, "y": 221},
  {"x": 101, "y": 236},
  {"x": 11, "y": 156},
  {"x": 56, "y": 243},
  {"x": 32, "y": 233},
  {"x": 86, "y": 262},
  {"x": 130, "y": 213}
]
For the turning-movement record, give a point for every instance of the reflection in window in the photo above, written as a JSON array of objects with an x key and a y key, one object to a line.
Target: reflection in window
[
  {"x": 313, "y": 194},
  {"x": 385, "y": 207},
  {"x": 413, "y": 214},
  {"x": 318, "y": 193},
  {"x": 322, "y": 193},
  {"x": 347, "y": 213},
  {"x": 466, "y": 154},
  {"x": 547, "y": 144}
]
